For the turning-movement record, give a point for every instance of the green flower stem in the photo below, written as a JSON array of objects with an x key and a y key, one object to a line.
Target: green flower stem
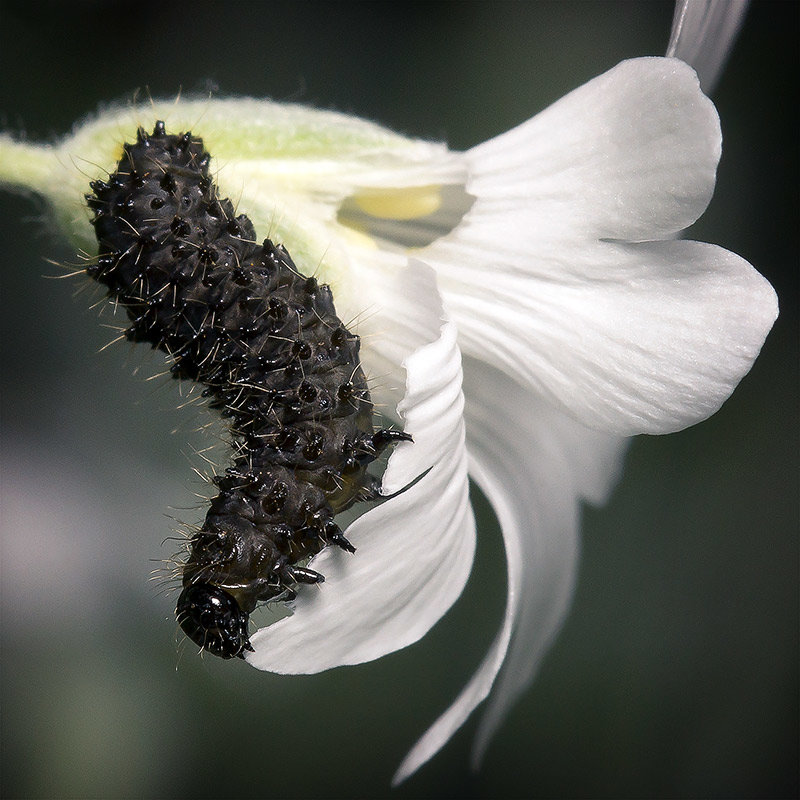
[{"x": 25, "y": 166}]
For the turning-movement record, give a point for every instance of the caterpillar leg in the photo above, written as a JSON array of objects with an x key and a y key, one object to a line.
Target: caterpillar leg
[
  {"x": 385, "y": 436},
  {"x": 333, "y": 534},
  {"x": 303, "y": 575}
]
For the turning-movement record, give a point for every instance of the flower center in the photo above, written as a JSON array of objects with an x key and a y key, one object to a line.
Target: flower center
[
  {"x": 409, "y": 216},
  {"x": 407, "y": 203}
]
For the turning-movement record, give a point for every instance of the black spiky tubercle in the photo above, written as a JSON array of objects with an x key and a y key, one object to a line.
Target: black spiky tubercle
[{"x": 265, "y": 341}]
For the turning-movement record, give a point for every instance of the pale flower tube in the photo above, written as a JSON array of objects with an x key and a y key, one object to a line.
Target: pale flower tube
[{"x": 524, "y": 308}]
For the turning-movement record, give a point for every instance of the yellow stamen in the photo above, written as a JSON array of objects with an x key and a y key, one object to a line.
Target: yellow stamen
[{"x": 410, "y": 202}]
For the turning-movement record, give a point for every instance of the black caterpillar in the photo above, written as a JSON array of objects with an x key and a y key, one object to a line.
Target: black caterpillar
[{"x": 265, "y": 341}]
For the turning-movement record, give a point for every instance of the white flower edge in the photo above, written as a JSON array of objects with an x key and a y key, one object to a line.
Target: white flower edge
[{"x": 415, "y": 551}]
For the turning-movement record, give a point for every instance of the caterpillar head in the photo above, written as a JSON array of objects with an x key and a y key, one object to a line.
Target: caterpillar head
[{"x": 212, "y": 618}]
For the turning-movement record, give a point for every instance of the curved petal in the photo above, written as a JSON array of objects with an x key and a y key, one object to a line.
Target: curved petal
[
  {"x": 534, "y": 465},
  {"x": 627, "y": 338},
  {"x": 415, "y": 551},
  {"x": 632, "y": 154},
  {"x": 703, "y": 32}
]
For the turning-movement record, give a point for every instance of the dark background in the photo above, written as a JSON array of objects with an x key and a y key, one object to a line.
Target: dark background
[{"x": 676, "y": 673}]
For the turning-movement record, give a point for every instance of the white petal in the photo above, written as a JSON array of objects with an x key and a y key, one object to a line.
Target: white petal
[
  {"x": 703, "y": 32},
  {"x": 628, "y": 338},
  {"x": 630, "y": 155},
  {"x": 415, "y": 551},
  {"x": 534, "y": 465}
]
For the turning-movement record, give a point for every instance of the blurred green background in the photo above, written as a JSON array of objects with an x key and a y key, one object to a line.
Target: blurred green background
[{"x": 676, "y": 672}]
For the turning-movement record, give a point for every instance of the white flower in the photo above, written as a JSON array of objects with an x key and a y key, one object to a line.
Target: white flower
[{"x": 545, "y": 313}]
